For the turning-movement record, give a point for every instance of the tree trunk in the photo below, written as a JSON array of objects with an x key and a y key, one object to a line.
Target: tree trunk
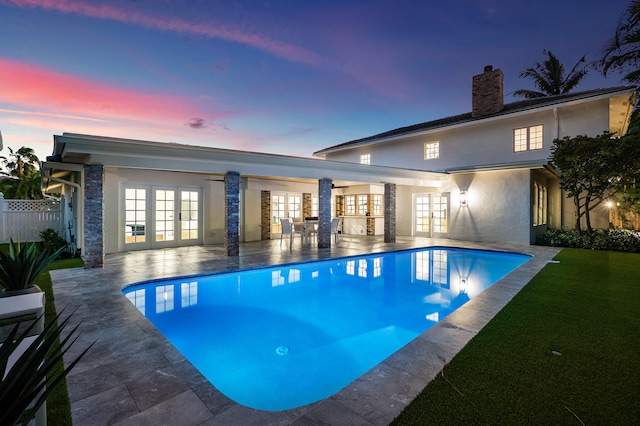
[
  {"x": 586, "y": 213},
  {"x": 576, "y": 202}
]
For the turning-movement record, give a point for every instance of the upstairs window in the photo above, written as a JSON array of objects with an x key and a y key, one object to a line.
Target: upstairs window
[
  {"x": 365, "y": 158},
  {"x": 431, "y": 150},
  {"x": 527, "y": 138}
]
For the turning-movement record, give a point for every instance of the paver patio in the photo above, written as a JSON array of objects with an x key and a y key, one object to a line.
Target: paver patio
[{"x": 134, "y": 376}]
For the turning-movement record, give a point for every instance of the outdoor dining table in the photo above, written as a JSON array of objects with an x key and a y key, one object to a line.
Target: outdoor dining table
[{"x": 306, "y": 226}]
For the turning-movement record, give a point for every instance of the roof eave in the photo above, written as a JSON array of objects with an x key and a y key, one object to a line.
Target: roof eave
[{"x": 471, "y": 121}]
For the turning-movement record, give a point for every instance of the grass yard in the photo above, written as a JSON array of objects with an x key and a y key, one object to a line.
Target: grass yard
[
  {"x": 565, "y": 350},
  {"x": 58, "y": 407}
]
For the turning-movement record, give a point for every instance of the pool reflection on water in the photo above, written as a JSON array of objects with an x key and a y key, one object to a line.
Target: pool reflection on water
[{"x": 281, "y": 337}]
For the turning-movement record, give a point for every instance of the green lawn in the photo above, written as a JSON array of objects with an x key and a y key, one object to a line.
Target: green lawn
[
  {"x": 586, "y": 309},
  {"x": 58, "y": 408}
]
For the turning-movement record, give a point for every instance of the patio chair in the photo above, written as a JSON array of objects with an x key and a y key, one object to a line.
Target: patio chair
[
  {"x": 335, "y": 226},
  {"x": 288, "y": 229},
  {"x": 311, "y": 228}
]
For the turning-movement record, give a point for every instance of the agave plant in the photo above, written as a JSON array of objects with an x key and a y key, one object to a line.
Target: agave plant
[
  {"x": 22, "y": 265},
  {"x": 34, "y": 375}
]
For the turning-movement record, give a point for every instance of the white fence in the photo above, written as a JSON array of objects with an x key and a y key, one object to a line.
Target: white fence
[{"x": 23, "y": 220}]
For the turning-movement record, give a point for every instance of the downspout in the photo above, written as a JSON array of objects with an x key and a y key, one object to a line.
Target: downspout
[{"x": 80, "y": 233}]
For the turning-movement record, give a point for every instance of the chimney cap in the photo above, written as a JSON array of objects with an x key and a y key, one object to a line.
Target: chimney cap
[{"x": 488, "y": 68}]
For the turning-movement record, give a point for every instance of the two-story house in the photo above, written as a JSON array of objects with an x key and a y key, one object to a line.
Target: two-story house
[
  {"x": 481, "y": 176},
  {"x": 501, "y": 186}
]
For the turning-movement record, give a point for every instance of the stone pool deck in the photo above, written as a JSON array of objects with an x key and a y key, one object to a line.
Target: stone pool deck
[{"x": 134, "y": 376}]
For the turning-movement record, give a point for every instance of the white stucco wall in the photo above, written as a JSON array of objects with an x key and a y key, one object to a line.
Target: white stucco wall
[
  {"x": 498, "y": 207},
  {"x": 484, "y": 142}
]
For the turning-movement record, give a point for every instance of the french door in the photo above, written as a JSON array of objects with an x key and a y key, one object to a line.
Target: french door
[
  {"x": 162, "y": 217},
  {"x": 283, "y": 206},
  {"x": 431, "y": 215}
]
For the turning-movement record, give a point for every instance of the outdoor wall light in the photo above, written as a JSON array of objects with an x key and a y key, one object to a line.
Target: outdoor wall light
[
  {"x": 463, "y": 285},
  {"x": 463, "y": 198}
]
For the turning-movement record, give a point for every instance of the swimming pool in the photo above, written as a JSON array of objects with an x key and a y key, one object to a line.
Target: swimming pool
[{"x": 281, "y": 337}]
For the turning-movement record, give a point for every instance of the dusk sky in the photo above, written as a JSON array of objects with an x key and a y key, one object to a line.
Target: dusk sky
[{"x": 279, "y": 76}]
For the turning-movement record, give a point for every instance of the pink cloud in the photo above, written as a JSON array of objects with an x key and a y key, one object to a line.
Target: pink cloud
[
  {"x": 58, "y": 94},
  {"x": 212, "y": 30}
]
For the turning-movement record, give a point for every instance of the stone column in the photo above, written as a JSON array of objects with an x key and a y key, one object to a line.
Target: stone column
[
  {"x": 265, "y": 215},
  {"x": 389, "y": 213},
  {"x": 93, "y": 251},
  {"x": 307, "y": 207},
  {"x": 324, "y": 213},
  {"x": 232, "y": 213},
  {"x": 339, "y": 205},
  {"x": 371, "y": 222}
]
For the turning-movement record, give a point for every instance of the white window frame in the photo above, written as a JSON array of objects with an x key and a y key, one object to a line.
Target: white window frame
[
  {"x": 528, "y": 138},
  {"x": 432, "y": 150},
  {"x": 349, "y": 205},
  {"x": 137, "y": 216},
  {"x": 363, "y": 204},
  {"x": 539, "y": 204},
  {"x": 377, "y": 205},
  {"x": 365, "y": 158},
  {"x": 294, "y": 206}
]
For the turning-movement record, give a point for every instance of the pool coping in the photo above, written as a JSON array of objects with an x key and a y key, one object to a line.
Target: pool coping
[{"x": 133, "y": 375}]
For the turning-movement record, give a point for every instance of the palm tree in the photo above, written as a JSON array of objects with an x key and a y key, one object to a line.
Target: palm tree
[
  {"x": 21, "y": 163},
  {"x": 622, "y": 53},
  {"x": 23, "y": 181},
  {"x": 549, "y": 77}
]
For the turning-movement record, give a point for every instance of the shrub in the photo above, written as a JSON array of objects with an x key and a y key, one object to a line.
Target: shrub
[
  {"x": 608, "y": 239},
  {"x": 51, "y": 240}
]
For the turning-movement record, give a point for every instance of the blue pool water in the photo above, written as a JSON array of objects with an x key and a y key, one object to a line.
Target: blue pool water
[{"x": 281, "y": 337}]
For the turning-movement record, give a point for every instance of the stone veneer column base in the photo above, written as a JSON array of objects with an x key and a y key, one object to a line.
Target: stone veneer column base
[
  {"x": 232, "y": 213},
  {"x": 265, "y": 215},
  {"x": 389, "y": 213},
  {"x": 324, "y": 213},
  {"x": 93, "y": 250}
]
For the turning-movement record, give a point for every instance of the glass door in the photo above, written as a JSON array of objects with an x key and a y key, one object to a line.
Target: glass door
[
  {"x": 440, "y": 215},
  {"x": 422, "y": 214},
  {"x": 189, "y": 217},
  {"x": 136, "y": 226},
  {"x": 176, "y": 217},
  {"x": 165, "y": 218},
  {"x": 431, "y": 215},
  {"x": 277, "y": 213}
]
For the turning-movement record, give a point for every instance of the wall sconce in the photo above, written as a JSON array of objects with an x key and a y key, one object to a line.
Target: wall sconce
[
  {"x": 463, "y": 198},
  {"x": 463, "y": 285}
]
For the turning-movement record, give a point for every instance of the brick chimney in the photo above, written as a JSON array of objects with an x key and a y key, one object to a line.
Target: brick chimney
[{"x": 487, "y": 92}]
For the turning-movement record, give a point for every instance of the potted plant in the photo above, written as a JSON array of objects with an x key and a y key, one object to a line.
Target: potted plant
[
  {"x": 21, "y": 266},
  {"x": 26, "y": 382}
]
